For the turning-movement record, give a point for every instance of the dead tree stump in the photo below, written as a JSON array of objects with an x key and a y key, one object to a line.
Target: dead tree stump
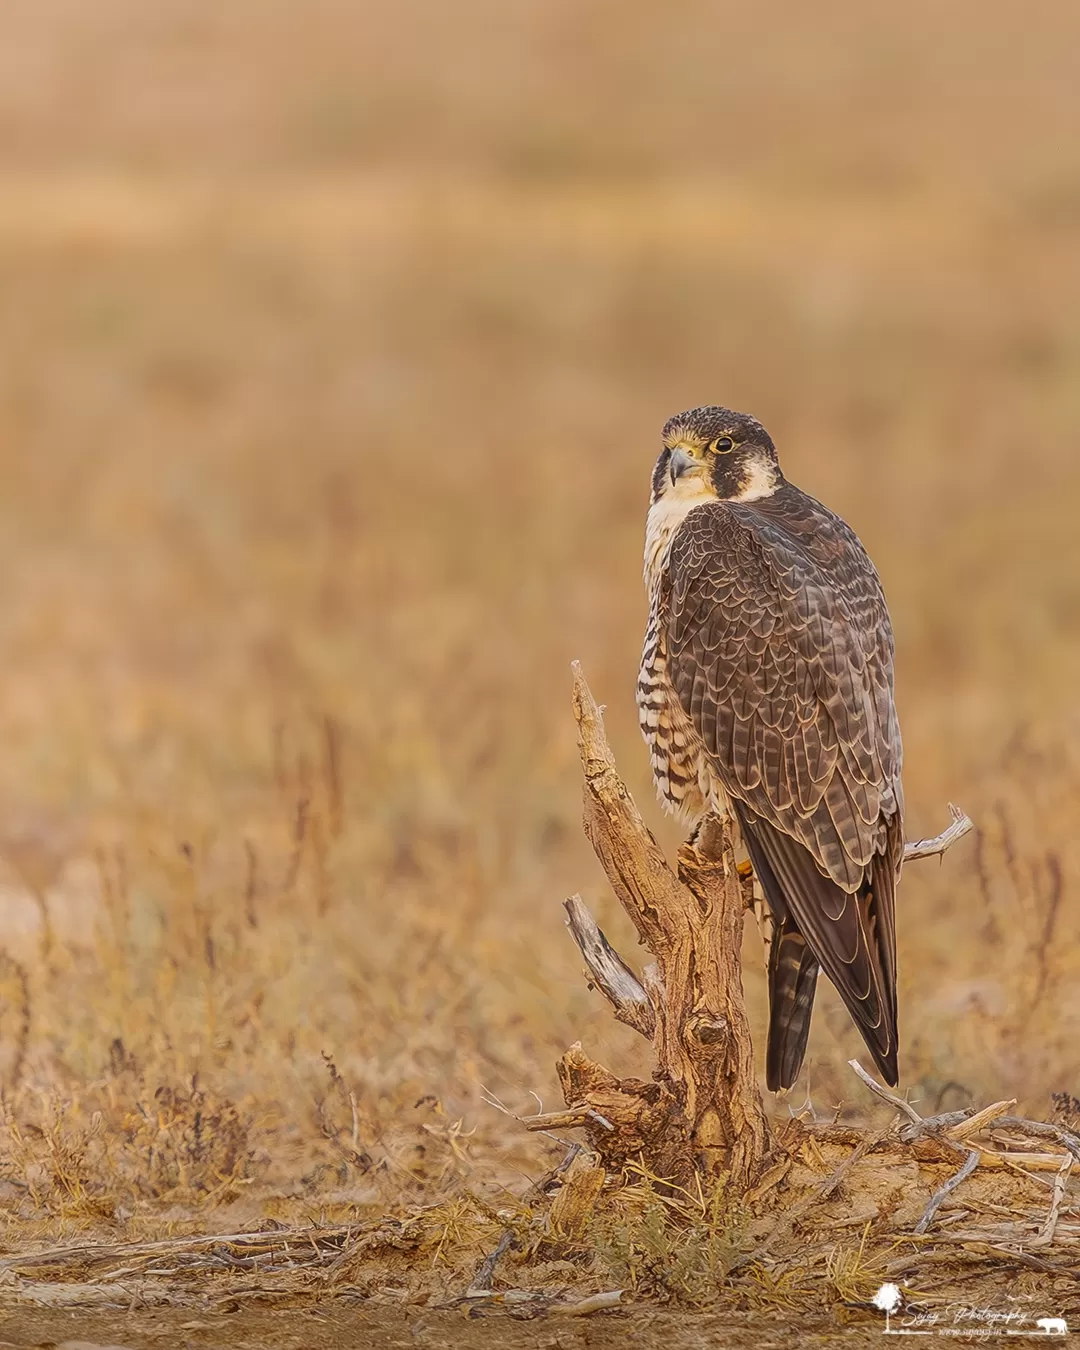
[{"x": 703, "y": 1112}]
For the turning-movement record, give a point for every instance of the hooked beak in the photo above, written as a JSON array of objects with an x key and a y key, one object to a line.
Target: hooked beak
[{"x": 682, "y": 462}]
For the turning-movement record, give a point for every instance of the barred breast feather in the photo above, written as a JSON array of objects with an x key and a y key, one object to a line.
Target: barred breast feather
[{"x": 684, "y": 781}]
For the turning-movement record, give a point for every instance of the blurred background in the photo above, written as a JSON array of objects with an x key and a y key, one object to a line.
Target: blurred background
[{"x": 335, "y": 346}]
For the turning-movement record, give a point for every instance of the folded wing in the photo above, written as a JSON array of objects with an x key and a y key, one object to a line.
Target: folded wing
[{"x": 781, "y": 653}]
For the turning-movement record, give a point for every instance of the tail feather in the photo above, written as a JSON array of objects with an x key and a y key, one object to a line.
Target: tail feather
[
  {"x": 793, "y": 972},
  {"x": 851, "y": 936}
]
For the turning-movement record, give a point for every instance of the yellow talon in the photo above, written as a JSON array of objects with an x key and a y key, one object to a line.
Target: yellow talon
[{"x": 745, "y": 869}]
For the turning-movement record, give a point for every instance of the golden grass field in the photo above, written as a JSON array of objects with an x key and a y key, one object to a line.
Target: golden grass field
[{"x": 334, "y": 350}]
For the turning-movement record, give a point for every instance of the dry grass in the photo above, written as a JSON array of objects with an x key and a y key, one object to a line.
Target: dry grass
[{"x": 332, "y": 360}]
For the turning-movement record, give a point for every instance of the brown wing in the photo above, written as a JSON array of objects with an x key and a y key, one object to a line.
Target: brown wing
[{"x": 781, "y": 653}]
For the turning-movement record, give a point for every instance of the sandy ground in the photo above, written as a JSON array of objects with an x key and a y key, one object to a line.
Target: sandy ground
[{"x": 330, "y": 1328}]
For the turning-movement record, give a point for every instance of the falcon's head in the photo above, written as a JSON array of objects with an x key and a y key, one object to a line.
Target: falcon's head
[{"x": 714, "y": 452}]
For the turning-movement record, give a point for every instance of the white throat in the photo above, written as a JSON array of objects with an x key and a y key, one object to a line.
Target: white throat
[{"x": 666, "y": 514}]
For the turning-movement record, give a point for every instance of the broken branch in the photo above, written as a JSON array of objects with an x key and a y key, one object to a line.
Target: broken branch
[
  {"x": 609, "y": 972},
  {"x": 884, "y": 1093},
  {"x": 933, "y": 848},
  {"x": 1041, "y": 1129}
]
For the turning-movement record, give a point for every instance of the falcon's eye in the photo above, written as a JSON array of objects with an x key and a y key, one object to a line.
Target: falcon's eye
[{"x": 722, "y": 445}]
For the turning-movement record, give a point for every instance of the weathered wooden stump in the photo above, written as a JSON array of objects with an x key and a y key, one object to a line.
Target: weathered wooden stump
[{"x": 703, "y": 1110}]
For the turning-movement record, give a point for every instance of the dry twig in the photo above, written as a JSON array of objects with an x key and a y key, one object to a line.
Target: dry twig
[
  {"x": 934, "y": 848},
  {"x": 1047, "y": 1232},
  {"x": 481, "y": 1281},
  {"x": 970, "y": 1164}
]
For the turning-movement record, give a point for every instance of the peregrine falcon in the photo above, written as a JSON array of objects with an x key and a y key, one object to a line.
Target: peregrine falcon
[{"x": 766, "y": 695}]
